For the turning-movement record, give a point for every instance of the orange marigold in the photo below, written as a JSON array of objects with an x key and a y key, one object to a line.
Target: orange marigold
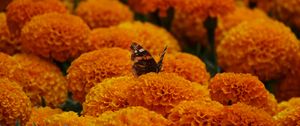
[
  {"x": 132, "y": 116},
  {"x": 230, "y": 88},
  {"x": 14, "y": 104},
  {"x": 53, "y": 35},
  {"x": 19, "y": 12},
  {"x": 11, "y": 69},
  {"x": 38, "y": 115},
  {"x": 103, "y": 13},
  {"x": 111, "y": 37},
  {"x": 186, "y": 65},
  {"x": 69, "y": 119},
  {"x": 109, "y": 95},
  {"x": 161, "y": 92},
  {"x": 46, "y": 80},
  {"x": 7, "y": 43},
  {"x": 243, "y": 115},
  {"x": 93, "y": 67},
  {"x": 201, "y": 9},
  {"x": 288, "y": 117},
  {"x": 189, "y": 29},
  {"x": 195, "y": 113},
  {"x": 191, "y": 14},
  {"x": 243, "y": 50},
  {"x": 151, "y": 37},
  {"x": 288, "y": 11},
  {"x": 150, "y": 6},
  {"x": 241, "y": 14}
]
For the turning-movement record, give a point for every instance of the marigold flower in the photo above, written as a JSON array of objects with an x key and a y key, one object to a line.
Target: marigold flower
[
  {"x": 293, "y": 102},
  {"x": 93, "y": 67},
  {"x": 191, "y": 14},
  {"x": 103, "y": 13},
  {"x": 243, "y": 115},
  {"x": 288, "y": 11},
  {"x": 111, "y": 37},
  {"x": 46, "y": 80},
  {"x": 151, "y": 37},
  {"x": 243, "y": 50},
  {"x": 204, "y": 8},
  {"x": 241, "y": 14},
  {"x": 161, "y": 92},
  {"x": 189, "y": 29},
  {"x": 132, "y": 116},
  {"x": 14, "y": 104},
  {"x": 186, "y": 65},
  {"x": 39, "y": 114},
  {"x": 19, "y": 12},
  {"x": 230, "y": 88},
  {"x": 69, "y": 119},
  {"x": 109, "y": 95},
  {"x": 195, "y": 113},
  {"x": 150, "y": 6},
  {"x": 53, "y": 35},
  {"x": 288, "y": 117},
  {"x": 9, "y": 68},
  {"x": 7, "y": 43}
]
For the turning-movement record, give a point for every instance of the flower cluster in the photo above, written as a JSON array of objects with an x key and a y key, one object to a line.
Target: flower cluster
[{"x": 103, "y": 13}]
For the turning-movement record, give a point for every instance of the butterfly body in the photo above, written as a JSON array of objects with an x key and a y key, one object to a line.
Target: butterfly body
[{"x": 143, "y": 61}]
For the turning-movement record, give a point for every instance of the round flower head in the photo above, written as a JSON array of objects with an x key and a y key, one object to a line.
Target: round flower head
[
  {"x": 46, "y": 79},
  {"x": 69, "y": 119},
  {"x": 188, "y": 23},
  {"x": 150, "y": 6},
  {"x": 195, "y": 113},
  {"x": 93, "y": 67},
  {"x": 111, "y": 37},
  {"x": 19, "y": 12},
  {"x": 7, "y": 43},
  {"x": 161, "y": 92},
  {"x": 151, "y": 37},
  {"x": 288, "y": 12},
  {"x": 288, "y": 117},
  {"x": 9, "y": 68},
  {"x": 188, "y": 29},
  {"x": 292, "y": 103},
  {"x": 186, "y": 65},
  {"x": 230, "y": 88},
  {"x": 53, "y": 35},
  {"x": 241, "y": 14},
  {"x": 38, "y": 115},
  {"x": 244, "y": 50},
  {"x": 14, "y": 104},
  {"x": 132, "y": 116},
  {"x": 243, "y": 115},
  {"x": 109, "y": 95},
  {"x": 103, "y": 13},
  {"x": 201, "y": 9}
]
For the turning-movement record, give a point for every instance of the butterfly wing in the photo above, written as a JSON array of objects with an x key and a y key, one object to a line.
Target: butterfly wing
[
  {"x": 143, "y": 61},
  {"x": 159, "y": 64}
]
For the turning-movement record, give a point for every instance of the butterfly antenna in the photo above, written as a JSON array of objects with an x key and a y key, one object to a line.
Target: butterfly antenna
[{"x": 159, "y": 64}]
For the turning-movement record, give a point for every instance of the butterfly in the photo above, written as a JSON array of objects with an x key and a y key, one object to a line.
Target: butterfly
[{"x": 143, "y": 61}]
